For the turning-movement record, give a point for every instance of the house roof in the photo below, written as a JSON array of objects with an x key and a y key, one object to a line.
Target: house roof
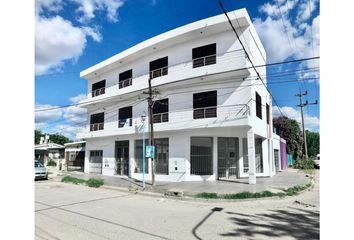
[
  {"x": 210, "y": 25},
  {"x": 74, "y": 143},
  {"x": 48, "y": 146}
]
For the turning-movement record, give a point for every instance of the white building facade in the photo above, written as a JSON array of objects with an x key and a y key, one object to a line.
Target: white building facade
[{"x": 212, "y": 116}]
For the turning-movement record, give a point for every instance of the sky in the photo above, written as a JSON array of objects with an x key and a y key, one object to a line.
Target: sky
[{"x": 72, "y": 35}]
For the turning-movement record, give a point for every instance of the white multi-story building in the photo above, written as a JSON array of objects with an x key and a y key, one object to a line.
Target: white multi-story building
[{"x": 212, "y": 116}]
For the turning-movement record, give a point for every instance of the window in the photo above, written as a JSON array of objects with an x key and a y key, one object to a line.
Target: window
[
  {"x": 139, "y": 156},
  {"x": 159, "y": 67},
  {"x": 160, "y": 111},
  {"x": 125, "y": 78},
  {"x": 205, "y": 55},
  {"x": 125, "y": 117},
  {"x": 161, "y": 155},
  {"x": 97, "y": 121},
  {"x": 204, "y": 104},
  {"x": 96, "y": 156},
  {"x": 201, "y": 155},
  {"x": 259, "y": 155},
  {"x": 258, "y": 106},
  {"x": 276, "y": 159},
  {"x": 245, "y": 155},
  {"x": 267, "y": 107},
  {"x": 98, "y": 88}
]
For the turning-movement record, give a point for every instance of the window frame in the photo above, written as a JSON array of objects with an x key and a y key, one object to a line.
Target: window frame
[{"x": 258, "y": 105}]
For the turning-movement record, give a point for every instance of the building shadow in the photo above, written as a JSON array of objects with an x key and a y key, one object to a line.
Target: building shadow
[{"x": 295, "y": 222}]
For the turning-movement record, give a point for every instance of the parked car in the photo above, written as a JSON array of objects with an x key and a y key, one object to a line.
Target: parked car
[
  {"x": 317, "y": 161},
  {"x": 40, "y": 172}
]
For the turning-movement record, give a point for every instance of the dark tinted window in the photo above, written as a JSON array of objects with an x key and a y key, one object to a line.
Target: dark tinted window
[
  {"x": 97, "y": 118},
  {"x": 258, "y": 106},
  {"x": 99, "y": 85},
  {"x": 126, "y": 75},
  {"x": 204, "y": 99},
  {"x": 159, "y": 63},
  {"x": 160, "y": 106},
  {"x": 125, "y": 113},
  {"x": 204, "y": 51},
  {"x": 267, "y": 106}
]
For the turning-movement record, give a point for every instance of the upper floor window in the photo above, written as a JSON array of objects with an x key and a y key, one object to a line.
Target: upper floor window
[
  {"x": 268, "y": 113},
  {"x": 98, "y": 88},
  {"x": 97, "y": 121},
  {"x": 205, "y": 55},
  {"x": 159, "y": 67},
  {"x": 125, "y": 78},
  {"x": 258, "y": 106},
  {"x": 160, "y": 111},
  {"x": 125, "y": 117},
  {"x": 204, "y": 104}
]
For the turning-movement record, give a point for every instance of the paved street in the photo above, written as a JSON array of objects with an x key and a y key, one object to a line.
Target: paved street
[{"x": 67, "y": 211}]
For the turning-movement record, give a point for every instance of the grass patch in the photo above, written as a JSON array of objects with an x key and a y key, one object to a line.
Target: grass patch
[
  {"x": 246, "y": 195},
  {"x": 92, "y": 182},
  {"x": 206, "y": 195}
]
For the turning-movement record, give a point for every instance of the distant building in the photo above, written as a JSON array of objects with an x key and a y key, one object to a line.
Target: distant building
[
  {"x": 75, "y": 156},
  {"x": 212, "y": 116},
  {"x": 46, "y": 151}
]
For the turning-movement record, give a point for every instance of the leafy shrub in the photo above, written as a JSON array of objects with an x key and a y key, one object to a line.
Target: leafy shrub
[
  {"x": 304, "y": 164},
  {"x": 295, "y": 190},
  {"x": 94, "y": 182},
  {"x": 52, "y": 163},
  {"x": 206, "y": 195},
  {"x": 74, "y": 180}
]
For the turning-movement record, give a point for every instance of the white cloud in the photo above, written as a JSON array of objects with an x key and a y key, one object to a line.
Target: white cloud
[
  {"x": 78, "y": 98},
  {"x": 87, "y": 9},
  {"x": 306, "y": 8},
  {"x": 73, "y": 114},
  {"x": 311, "y": 122},
  {"x": 285, "y": 39},
  {"x": 43, "y": 117},
  {"x": 67, "y": 130},
  {"x": 58, "y": 40}
]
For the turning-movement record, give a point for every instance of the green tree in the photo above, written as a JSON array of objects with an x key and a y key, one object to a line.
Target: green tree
[
  {"x": 289, "y": 130},
  {"x": 59, "y": 139},
  {"x": 313, "y": 143},
  {"x": 37, "y": 136}
]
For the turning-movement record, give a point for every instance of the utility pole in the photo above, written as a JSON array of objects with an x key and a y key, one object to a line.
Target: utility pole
[
  {"x": 302, "y": 117},
  {"x": 151, "y": 129}
]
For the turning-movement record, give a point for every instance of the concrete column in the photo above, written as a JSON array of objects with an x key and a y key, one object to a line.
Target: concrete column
[
  {"x": 215, "y": 157},
  {"x": 251, "y": 157}
]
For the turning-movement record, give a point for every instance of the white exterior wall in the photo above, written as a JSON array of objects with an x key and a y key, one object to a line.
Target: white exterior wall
[{"x": 233, "y": 89}]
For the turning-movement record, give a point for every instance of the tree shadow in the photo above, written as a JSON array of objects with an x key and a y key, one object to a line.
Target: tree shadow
[{"x": 296, "y": 222}]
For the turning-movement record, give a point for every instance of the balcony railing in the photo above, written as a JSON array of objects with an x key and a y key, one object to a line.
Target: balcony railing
[
  {"x": 159, "y": 72},
  {"x": 96, "y": 126},
  {"x": 203, "y": 61},
  {"x": 125, "y": 122},
  {"x": 125, "y": 83},
  {"x": 207, "y": 112},
  {"x": 99, "y": 91},
  {"x": 160, "y": 117}
]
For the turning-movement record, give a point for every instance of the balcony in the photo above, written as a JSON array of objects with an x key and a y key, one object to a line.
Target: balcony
[
  {"x": 220, "y": 116},
  {"x": 125, "y": 83},
  {"x": 207, "y": 112},
  {"x": 204, "y": 61},
  {"x": 160, "y": 117},
  {"x": 96, "y": 126},
  {"x": 98, "y": 92},
  {"x": 159, "y": 72}
]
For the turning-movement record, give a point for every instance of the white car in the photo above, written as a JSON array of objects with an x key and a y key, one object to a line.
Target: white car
[
  {"x": 40, "y": 172},
  {"x": 317, "y": 161}
]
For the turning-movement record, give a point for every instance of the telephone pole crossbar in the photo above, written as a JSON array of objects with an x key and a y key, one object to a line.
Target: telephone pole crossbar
[{"x": 302, "y": 105}]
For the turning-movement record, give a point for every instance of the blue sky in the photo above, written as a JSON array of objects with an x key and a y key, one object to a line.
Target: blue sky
[{"x": 72, "y": 35}]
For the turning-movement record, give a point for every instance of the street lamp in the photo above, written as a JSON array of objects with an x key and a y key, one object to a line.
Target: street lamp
[{"x": 143, "y": 117}]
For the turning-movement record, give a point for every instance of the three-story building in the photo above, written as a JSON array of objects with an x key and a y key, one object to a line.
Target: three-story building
[{"x": 212, "y": 115}]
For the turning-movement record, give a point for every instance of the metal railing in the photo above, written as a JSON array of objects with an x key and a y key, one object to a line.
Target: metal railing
[
  {"x": 207, "y": 112},
  {"x": 203, "y": 61},
  {"x": 160, "y": 117},
  {"x": 98, "y": 92},
  {"x": 96, "y": 126},
  {"x": 159, "y": 72},
  {"x": 125, "y": 122},
  {"x": 125, "y": 83}
]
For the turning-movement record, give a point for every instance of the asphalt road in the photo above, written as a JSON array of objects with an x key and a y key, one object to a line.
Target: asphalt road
[{"x": 66, "y": 211}]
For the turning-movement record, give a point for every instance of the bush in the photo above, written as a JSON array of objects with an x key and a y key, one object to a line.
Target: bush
[
  {"x": 94, "y": 182},
  {"x": 73, "y": 180},
  {"x": 206, "y": 195},
  {"x": 304, "y": 164},
  {"x": 51, "y": 163}
]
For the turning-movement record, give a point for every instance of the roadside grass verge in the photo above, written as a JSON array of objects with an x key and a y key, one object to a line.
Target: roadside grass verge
[
  {"x": 248, "y": 195},
  {"x": 92, "y": 182}
]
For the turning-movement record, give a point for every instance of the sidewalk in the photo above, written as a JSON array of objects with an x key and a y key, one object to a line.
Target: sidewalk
[{"x": 281, "y": 180}]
